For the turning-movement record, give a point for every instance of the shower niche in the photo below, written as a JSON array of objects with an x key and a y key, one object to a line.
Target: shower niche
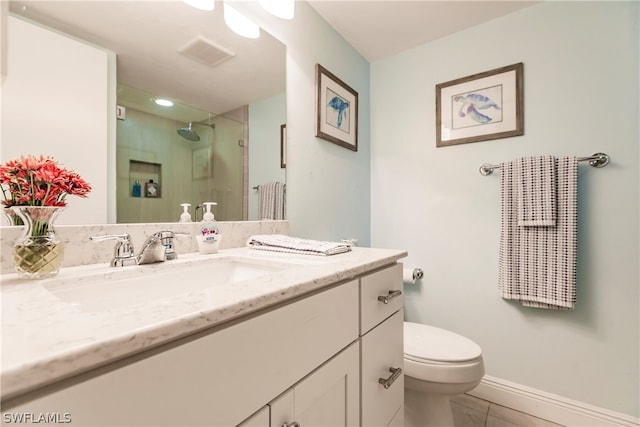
[{"x": 145, "y": 179}]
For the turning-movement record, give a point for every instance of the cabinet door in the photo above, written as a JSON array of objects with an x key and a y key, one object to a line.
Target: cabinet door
[
  {"x": 259, "y": 419},
  {"x": 382, "y": 352},
  {"x": 329, "y": 396},
  {"x": 398, "y": 419}
]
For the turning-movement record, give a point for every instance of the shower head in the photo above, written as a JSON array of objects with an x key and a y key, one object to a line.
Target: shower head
[{"x": 188, "y": 133}]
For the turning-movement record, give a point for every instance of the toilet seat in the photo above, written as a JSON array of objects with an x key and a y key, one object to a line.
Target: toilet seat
[
  {"x": 430, "y": 344},
  {"x": 437, "y": 355}
]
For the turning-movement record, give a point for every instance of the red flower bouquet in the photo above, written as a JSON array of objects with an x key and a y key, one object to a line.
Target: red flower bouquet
[
  {"x": 35, "y": 190},
  {"x": 39, "y": 181}
]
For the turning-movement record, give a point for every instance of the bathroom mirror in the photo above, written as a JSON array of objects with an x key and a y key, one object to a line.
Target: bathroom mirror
[{"x": 168, "y": 49}]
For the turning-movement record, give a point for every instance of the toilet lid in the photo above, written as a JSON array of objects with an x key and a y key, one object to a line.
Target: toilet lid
[{"x": 430, "y": 343}]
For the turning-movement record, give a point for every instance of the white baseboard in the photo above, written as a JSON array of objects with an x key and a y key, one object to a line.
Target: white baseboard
[{"x": 549, "y": 406}]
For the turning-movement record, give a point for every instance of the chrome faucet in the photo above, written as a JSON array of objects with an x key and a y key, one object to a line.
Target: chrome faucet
[
  {"x": 167, "y": 239},
  {"x": 156, "y": 248},
  {"x": 152, "y": 250},
  {"x": 122, "y": 251}
]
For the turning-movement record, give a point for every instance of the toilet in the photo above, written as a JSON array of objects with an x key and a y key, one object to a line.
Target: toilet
[{"x": 437, "y": 364}]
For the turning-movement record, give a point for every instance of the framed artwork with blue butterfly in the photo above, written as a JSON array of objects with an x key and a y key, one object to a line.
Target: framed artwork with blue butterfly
[
  {"x": 337, "y": 110},
  {"x": 480, "y": 107}
]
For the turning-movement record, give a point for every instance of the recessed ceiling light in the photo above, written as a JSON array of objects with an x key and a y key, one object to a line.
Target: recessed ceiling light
[{"x": 164, "y": 102}]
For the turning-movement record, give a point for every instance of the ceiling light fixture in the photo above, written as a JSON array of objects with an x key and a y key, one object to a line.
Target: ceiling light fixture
[
  {"x": 281, "y": 8},
  {"x": 239, "y": 23},
  {"x": 201, "y": 4},
  {"x": 164, "y": 102}
]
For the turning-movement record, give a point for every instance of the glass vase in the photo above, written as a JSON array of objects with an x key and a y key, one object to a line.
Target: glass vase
[
  {"x": 12, "y": 218},
  {"x": 38, "y": 253}
]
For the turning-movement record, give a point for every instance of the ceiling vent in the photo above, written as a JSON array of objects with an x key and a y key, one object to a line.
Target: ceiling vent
[{"x": 205, "y": 51}]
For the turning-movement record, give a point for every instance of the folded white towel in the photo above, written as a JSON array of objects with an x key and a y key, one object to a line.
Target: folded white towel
[
  {"x": 536, "y": 189},
  {"x": 281, "y": 243}
]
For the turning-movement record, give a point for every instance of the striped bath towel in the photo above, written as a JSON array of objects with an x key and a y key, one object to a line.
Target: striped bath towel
[
  {"x": 536, "y": 183},
  {"x": 271, "y": 201},
  {"x": 281, "y": 243},
  {"x": 538, "y": 263}
]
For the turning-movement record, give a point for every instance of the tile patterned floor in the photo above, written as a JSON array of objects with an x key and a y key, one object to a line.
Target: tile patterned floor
[{"x": 469, "y": 411}]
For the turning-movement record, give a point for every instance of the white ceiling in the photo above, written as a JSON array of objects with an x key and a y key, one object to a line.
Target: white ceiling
[
  {"x": 379, "y": 29},
  {"x": 146, "y": 36}
]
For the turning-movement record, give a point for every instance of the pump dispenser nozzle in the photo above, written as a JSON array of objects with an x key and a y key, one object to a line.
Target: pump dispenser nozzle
[
  {"x": 186, "y": 216},
  {"x": 208, "y": 215}
]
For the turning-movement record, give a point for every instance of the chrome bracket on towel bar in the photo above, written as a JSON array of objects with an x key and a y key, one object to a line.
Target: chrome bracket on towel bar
[{"x": 598, "y": 160}]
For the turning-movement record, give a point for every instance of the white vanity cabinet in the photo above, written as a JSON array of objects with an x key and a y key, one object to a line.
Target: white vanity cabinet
[
  {"x": 315, "y": 360},
  {"x": 217, "y": 378},
  {"x": 327, "y": 396}
]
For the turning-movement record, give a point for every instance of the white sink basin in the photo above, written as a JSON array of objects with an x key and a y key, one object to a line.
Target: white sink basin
[{"x": 122, "y": 287}]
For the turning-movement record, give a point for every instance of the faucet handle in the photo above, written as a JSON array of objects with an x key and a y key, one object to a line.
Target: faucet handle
[
  {"x": 167, "y": 239},
  {"x": 123, "y": 251}
]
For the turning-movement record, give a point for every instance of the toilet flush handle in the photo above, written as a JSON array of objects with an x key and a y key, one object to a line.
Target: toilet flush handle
[{"x": 392, "y": 294}]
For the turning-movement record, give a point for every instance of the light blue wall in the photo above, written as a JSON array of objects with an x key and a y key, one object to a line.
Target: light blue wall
[
  {"x": 265, "y": 118},
  {"x": 328, "y": 186},
  {"x": 581, "y": 96}
]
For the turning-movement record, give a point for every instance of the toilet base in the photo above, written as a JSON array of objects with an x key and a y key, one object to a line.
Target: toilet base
[{"x": 424, "y": 410}]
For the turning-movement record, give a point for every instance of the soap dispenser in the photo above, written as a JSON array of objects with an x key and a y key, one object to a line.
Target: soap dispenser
[
  {"x": 209, "y": 235},
  {"x": 186, "y": 216},
  {"x": 137, "y": 189}
]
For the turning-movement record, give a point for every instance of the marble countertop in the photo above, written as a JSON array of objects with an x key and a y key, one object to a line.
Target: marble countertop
[{"x": 45, "y": 339}]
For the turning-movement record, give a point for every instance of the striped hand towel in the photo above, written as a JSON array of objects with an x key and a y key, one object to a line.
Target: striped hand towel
[
  {"x": 281, "y": 243},
  {"x": 538, "y": 263},
  {"x": 536, "y": 185},
  {"x": 271, "y": 201}
]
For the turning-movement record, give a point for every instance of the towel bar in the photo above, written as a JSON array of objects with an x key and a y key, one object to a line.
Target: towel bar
[{"x": 597, "y": 160}]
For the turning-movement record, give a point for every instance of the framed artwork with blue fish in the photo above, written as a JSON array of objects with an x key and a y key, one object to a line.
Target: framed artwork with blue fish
[
  {"x": 484, "y": 106},
  {"x": 337, "y": 110}
]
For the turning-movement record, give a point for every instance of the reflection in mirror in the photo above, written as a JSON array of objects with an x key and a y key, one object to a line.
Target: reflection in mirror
[
  {"x": 164, "y": 160},
  {"x": 156, "y": 45}
]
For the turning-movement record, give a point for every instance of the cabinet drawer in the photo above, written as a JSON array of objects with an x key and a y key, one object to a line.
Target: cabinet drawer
[
  {"x": 380, "y": 284},
  {"x": 382, "y": 349}
]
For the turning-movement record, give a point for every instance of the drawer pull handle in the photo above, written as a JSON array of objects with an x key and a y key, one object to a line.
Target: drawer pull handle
[
  {"x": 395, "y": 373},
  {"x": 386, "y": 298},
  {"x": 293, "y": 424}
]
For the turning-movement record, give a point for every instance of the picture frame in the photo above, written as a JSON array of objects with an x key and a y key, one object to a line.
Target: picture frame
[
  {"x": 336, "y": 110},
  {"x": 283, "y": 146},
  {"x": 480, "y": 107}
]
